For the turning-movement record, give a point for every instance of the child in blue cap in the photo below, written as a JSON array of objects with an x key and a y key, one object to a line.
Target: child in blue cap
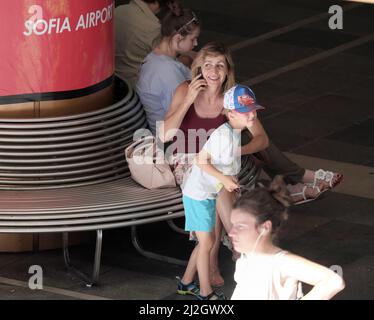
[{"x": 214, "y": 168}]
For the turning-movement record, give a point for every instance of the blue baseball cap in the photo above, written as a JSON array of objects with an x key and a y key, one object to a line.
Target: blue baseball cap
[{"x": 241, "y": 99}]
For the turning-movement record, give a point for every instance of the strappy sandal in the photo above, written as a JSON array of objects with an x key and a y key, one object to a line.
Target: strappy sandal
[
  {"x": 303, "y": 194},
  {"x": 328, "y": 177}
]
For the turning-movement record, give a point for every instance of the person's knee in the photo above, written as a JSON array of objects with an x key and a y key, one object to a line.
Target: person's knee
[
  {"x": 214, "y": 239},
  {"x": 206, "y": 242},
  {"x": 209, "y": 244}
]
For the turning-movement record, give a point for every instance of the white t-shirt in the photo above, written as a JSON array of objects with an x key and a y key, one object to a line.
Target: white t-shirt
[
  {"x": 224, "y": 149},
  {"x": 159, "y": 76},
  {"x": 258, "y": 277}
]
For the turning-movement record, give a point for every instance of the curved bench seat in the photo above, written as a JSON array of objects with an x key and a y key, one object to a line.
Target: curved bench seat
[{"x": 69, "y": 174}]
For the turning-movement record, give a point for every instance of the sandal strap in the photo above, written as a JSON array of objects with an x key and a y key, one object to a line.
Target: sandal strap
[
  {"x": 329, "y": 177},
  {"x": 310, "y": 185},
  {"x": 320, "y": 174},
  {"x": 323, "y": 175},
  {"x": 302, "y": 193}
]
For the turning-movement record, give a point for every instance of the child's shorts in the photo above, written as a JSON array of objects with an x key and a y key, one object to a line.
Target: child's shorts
[{"x": 200, "y": 214}]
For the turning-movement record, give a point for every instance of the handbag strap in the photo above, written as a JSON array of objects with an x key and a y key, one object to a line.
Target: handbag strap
[{"x": 129, "y": 151}]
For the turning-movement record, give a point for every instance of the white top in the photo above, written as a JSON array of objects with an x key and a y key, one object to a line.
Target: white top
[
  {"x": 258, "y": 277},
  {"x": 223, "y": 147},
  {"x": 159, "y": 76}
]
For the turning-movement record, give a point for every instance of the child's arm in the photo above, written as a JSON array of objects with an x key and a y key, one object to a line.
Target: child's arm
[
  {"x": 202, "y": 160},
  {"x": 260, "y": 140},
  {"x": 326, "y": 283}
]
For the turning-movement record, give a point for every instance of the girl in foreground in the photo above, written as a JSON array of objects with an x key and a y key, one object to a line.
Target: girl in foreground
[{"x": 264, "y": 271}]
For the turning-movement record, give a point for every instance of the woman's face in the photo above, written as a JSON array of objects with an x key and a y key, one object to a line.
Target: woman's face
[
  {"x": 189, "y": 42},
  {"x": 244, "y": 231},
  {"x": 215, "y": 70}
]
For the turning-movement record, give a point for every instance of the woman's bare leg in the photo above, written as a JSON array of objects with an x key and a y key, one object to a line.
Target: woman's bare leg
[
  {"x": 224, "y": 204},
  {"x": 215, "y": 275}
]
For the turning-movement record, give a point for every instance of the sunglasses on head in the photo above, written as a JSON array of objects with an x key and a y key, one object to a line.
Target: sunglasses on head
[{"x": 194, "y": 18}]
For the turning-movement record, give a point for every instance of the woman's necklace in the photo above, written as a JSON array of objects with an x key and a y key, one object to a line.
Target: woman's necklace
[{"x": 209, "y": 110}]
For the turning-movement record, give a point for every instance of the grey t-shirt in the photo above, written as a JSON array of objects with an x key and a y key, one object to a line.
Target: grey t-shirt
[{"x": 159, "y": 76}]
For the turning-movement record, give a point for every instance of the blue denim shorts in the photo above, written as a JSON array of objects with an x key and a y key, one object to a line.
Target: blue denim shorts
[{"x": 200, "y": 214}]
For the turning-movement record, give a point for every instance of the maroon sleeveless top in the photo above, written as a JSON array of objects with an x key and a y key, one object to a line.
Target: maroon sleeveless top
[{"x": 196, "y": 130}]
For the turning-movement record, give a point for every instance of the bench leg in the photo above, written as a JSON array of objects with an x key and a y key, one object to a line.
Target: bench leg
[
  {"x": 175, "y": 227},
  {"x": 90, "y": 281},
  {"x": 152, "y": 255}
]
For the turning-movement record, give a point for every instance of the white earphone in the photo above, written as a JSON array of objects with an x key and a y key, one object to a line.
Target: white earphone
[{"x": 263, "y": 230}]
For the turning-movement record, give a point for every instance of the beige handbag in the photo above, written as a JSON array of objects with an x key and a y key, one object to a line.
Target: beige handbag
[{"x": 148, "y": 167}]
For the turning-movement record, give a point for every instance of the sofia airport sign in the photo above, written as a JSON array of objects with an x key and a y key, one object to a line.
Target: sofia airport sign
[{"x": 53, "y": 46}]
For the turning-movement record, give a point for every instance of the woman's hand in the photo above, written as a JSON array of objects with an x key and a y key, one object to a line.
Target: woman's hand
[
  {"x": 230, "y": 183},
  {"x": 196, "y": 85}
]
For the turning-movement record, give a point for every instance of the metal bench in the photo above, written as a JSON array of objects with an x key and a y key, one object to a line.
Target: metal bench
[{"x": 69, "y": 174}]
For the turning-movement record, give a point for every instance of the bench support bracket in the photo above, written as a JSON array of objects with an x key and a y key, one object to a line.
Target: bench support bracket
[
  {"x": 152, "y": 255},
  {"x": 90, "y": 281},
  {"x": 173, "y": 226}
]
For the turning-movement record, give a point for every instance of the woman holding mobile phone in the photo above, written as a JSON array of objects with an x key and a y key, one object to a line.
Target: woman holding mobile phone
[
  {"x": 160, "y": 74},
  {"x": 197, "y": 105},
  {"x": 168, "y": 94}
]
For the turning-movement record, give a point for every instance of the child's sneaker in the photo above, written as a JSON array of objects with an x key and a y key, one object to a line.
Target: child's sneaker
[
  {"x": 212, "y": 296},
  {"x": 191, "y": 288}
]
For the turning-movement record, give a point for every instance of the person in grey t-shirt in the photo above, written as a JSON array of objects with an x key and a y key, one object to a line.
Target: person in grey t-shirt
[{"x": 159, "y": 77}]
